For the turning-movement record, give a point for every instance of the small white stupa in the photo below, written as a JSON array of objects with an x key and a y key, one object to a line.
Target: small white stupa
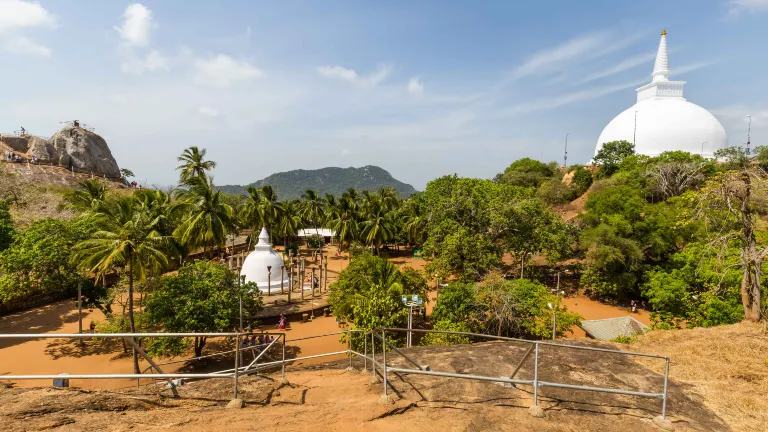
[{"x": 257, "y": 266}]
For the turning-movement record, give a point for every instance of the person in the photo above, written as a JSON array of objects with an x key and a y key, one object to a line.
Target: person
[
  {"x": 281, "y": 326},
  {"x": 634, "y": 306},
  {"x": 253, "y": 340},
  {"x": 93, "y": 327},
  {"x": 261, "y": 339}
]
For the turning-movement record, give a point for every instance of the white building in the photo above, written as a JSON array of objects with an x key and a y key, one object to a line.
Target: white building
[
  {"x": 263, "y": 266},
  {"x": 662, "y": 120}
]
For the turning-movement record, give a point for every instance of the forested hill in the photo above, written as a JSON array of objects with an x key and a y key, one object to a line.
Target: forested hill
[{"x": 291, "y": 184}]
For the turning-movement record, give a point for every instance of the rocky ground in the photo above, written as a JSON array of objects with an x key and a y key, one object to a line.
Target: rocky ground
[{"x": 330, "y": 398}]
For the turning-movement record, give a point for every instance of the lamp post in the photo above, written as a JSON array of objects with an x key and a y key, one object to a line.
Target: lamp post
[
  {"x": 437, "y": 285},
  {"x": 312, "y": 281},
  {"x": 269, "y": 280},
  {"x": 565, "y": 156},
  {"x": 80, "y": 311},
  {"x": 282, "y": 272},
  {"x": 634, "y": 131},
  {"x": 557, "y": 304},
  {"x": 702, "y": 148},
  {"x": 749, "y": 132},
  {"x": 240, "y": 279}
]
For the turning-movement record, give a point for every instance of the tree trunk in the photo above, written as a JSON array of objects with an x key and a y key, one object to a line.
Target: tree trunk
[
  {"x": 130, "y": 311},
  {"x": 199, "y": 344}
]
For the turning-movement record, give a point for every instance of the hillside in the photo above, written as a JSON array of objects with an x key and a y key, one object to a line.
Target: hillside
[{"x": 290, "y": 185}]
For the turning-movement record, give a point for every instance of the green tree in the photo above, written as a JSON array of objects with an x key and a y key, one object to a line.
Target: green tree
[
  {"x": 126, "y": 238},
  {"x": 202, "y": 297},
  {"x": 312, "y": 207},
  {"x": 611, "y": 154},
  {"x": 526, "y": 172},
  {"x": 582, "y": 180},
  {"x": 206, "y": 218},
  {"x": 7, "y": 231},
  {"x": 126, "y": 173},
  {"x": 378, "y": 224},
  {"x": 38, "y": 259},
  {"x": 87, "y": 196},
  {"x": 193, "y": 163},
  {"x": 345, "y": 221}
]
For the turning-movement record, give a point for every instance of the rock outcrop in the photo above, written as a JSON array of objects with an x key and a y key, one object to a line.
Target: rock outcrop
[{"x": 69, "y": 147}]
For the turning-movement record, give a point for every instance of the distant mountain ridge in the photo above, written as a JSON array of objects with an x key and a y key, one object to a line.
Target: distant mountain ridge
[{"x": 290, "y": 185}]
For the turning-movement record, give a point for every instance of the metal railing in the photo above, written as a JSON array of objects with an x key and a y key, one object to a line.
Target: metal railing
[{"x": 384, "y": 369}]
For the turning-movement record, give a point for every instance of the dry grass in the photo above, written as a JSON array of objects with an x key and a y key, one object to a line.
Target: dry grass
[{"x": 727, "y": 365}]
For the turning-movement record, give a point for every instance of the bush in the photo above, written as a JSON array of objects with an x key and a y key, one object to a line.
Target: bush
[
  {"x": 447, "y": 339},
  {"x": 315, "y": 241},
  {"x": 6, "y": 227},
  {"x": 582, "y": 180},
  {"x": 554, "y": 191}
]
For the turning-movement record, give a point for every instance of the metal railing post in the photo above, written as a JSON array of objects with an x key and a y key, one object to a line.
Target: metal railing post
[
  {"x": 349, "y": 347},
  {"x": 384, "y": 354},
  {"x": 664, "y": 399},
  {"x": 373, "y": 356},
  {"x": 536, "y": 376},
  {"x": 283, "y": 367},
  {"x": 365, "y": 349},
  {"x": 237, "y": 362}
]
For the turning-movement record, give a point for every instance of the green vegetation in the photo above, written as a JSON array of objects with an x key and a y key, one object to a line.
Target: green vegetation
[
  {"x": 7, "y": 231},
  {"x": 368, "y": 294},
  {"x": 291, "y": 185},
  {"x": 513, "y": 308},
  {"x": 210, "y": 294}
]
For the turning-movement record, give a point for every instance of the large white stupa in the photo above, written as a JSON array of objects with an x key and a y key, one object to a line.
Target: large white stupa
[
  {"x": 662, "y": 120},
  {"x": 255, "y": 267}
]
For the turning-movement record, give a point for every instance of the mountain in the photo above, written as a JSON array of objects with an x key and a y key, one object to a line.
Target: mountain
[{"x": 291, "y": 184}]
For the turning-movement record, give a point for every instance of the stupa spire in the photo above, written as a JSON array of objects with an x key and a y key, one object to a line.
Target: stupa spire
[{"x": 661, "y": 67}]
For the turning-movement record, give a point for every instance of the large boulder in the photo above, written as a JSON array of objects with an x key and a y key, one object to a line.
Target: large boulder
[{"x": 84, "y": 150}]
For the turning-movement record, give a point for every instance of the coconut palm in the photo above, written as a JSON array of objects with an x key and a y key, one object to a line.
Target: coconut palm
[
  {"x": 378, "y": 223},
  {"x": 194, "y": 163},
  {"x": 261, "y": 209},
  {"x": 412, "y": 217},
  {"x": 205, "y": 216},
  {"x": 344, "y": 221},
  {"x": 126, "y": 238},
  {"x": 289, "y": 222},
  {"x": 312, "y": 208},
  {"x": 89, "y": 195}
]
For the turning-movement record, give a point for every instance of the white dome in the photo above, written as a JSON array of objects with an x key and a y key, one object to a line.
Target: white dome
[
  {"x": 662, "y": 120},
  {"x": 255, "y": 265},
  {"x": 666, "y": 124}
]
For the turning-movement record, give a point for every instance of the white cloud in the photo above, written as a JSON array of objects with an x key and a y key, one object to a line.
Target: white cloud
[
  {"x": 567, "y": 99},
  {"x": 415, "y": 86},
  {"x": 208, "y": 111},
  {"x": 690, "y": 67},
  {"x": 576, "y": 50},
  {"x": 350, "y": 75},
  {"x": 736, "y": 7},
  {"x": 22, "y": 45},
  {"x": 18, "y": 14},
  {"x": 345, "y": 152},
  {"x": 622, "y": 66},
  {"x": 154, "y": 61},
  {"x": 223, "y": 71},
  {"x": 136, "y": 26}
]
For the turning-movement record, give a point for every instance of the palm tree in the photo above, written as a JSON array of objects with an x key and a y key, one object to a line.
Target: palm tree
[
  {"x": 344, "y": 221},
  {"x": 261, "y": 209},
  {"x": 127, "y": 238},
  {"x": 412, "y": 216},
  {"x": 206, "y": 216},
  {"x": 194, "y": 163},
  {"x": 388, "y": 197},
  {"x": 378, "y": 224},
  {"x": 289, "y": 222},
  {"x": 90, "y": 195},
  {"x": 312, "y": 207}
]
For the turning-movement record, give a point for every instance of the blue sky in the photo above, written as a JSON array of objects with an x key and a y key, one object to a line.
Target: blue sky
[{"x": 421, "y": 89}]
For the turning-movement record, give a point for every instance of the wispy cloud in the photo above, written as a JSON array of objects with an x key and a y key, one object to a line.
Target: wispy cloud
[
  {"x": 622, "y": 66},
  {"x": 690, "y": 67},
  {"x": 573, "y": 51},
  {"x": 566, "y": 99},
  {"x": 154, "y": 61},
  {"x": 737, "y": 7},
  {"x": 136, "y": 26},
  {"x": 350, "y": 75},
  {"x": 223, "y": 71},
  {"x": 415, "y": 86},
  {"x": 17, "y": 16},
  {"x": 208, "y": 111}
]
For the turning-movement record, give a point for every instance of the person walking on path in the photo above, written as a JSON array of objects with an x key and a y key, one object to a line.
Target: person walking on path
[{"x": 281, "y": 326}]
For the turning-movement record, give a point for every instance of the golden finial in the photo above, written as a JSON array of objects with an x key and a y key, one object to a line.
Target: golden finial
[{"x": 664, "y": 32}]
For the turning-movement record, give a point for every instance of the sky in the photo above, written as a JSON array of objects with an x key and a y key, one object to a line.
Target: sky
[{"x": 421, "y": 89}]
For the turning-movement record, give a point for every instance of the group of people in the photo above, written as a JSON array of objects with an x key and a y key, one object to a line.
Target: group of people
[
  {"x": 15, "y": 157},
  {"x": 262, "y": 339},
  {"x": 634, "y": 304}
]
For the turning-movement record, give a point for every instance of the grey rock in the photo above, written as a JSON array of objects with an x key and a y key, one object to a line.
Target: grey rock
[{"x": 84, "y": 150}]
